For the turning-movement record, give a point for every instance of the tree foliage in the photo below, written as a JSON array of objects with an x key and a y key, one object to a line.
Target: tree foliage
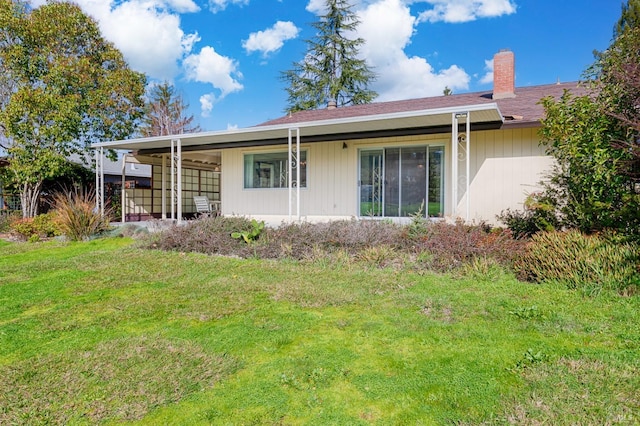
[
  {"x": 331, "y": 70},
  {"x": 165, "y": 113},
  {"x": 65, "y": 87},
  {"x": 586, "y": 188},
  {"x": 595, "y": 140}
]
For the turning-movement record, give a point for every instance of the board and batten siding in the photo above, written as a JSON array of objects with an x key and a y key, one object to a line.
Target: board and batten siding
[
  {"x": 505, "y": 165},
  {"x": 331, "y": 190}
]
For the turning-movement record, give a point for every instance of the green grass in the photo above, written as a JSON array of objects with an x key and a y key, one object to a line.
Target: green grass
[{"x": 103, "y": 332}]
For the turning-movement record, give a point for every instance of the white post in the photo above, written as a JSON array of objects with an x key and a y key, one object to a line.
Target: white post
[
  {"x": 123, "y": 191},
  {"x": 173, "y": 181},
  {"x": 294, "y": 158},
  {"x": 179, "y": 173},
  {"x": 164, "y": 187},
  {"x": 454, "y": 163},
  {"x": 468, "y": 180}
]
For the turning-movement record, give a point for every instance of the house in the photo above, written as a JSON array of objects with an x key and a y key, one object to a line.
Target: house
[{"x": 467, "y": 156}]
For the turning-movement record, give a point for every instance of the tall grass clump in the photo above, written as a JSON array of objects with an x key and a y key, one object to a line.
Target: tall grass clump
[
  {"x": 588, "y": 262},
  {"x": 76, "y": 213}
]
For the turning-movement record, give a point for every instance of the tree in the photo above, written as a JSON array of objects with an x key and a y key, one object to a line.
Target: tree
[
  {"x": 331, "y": 71},
  {"x": 595, "y": 140},
  {"x": 618, "y": 88},
  {"x": 165, "y": 113},
  {"x": 68, "y": 87},
  {"x": 586, "y": 189}
]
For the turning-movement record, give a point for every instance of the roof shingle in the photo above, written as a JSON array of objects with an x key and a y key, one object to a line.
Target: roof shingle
[{"x": 524, "y": 107}]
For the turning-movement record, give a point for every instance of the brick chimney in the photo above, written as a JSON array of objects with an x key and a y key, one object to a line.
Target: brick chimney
[{"x": 504, "y": 75}]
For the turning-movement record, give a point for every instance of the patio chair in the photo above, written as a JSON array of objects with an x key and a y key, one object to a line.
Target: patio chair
[{"x": 204, "y": 207}]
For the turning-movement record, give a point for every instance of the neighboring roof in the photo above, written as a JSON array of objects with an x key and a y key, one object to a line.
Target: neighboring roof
[{"x": 523, "y": 109}]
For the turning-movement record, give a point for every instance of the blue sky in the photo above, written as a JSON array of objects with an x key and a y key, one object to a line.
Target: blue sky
[{"x": 225, "y": 56}]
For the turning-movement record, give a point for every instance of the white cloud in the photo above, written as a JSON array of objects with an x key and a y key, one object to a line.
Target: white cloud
[
  {"x": 316, "y": 6},
  {"x": 219, "y": 5},
  {"x": 387, "y": 27},
  {"x": 206, "y": 104},
  {"x": 488, "y": 77},
  {"x": 147, "y": 32},
  {"x": 209, "y": 66},
  {"x": 271, "y": 39},
  {"x": 465, "y": 10}
]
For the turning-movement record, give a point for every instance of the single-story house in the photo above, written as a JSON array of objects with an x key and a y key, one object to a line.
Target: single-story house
[{"x": 467, "y": 156}]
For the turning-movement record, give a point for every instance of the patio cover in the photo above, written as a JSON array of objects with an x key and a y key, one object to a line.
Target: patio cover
[{"x": 427, "y": 121}]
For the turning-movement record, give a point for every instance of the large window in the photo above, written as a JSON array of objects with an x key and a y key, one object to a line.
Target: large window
[
  {"x": 399, "y": 181},
  {"x": 270, "y": 170}
]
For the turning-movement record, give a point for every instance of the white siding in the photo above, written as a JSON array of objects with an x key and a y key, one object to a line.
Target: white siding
[{"x": 506, "y": 165}]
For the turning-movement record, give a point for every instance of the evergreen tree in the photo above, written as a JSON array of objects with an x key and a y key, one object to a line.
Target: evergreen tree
[
  {"x": 630, "y": 17},
  {"x": 331, "y": 71},
  {"x": 166, "y": 113}
]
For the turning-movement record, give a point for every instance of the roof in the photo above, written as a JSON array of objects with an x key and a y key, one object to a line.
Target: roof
[
  {"x": 523, "y": 109},
  {"x": 436, "y": 120},
  {"x": 413, "y": 116}
]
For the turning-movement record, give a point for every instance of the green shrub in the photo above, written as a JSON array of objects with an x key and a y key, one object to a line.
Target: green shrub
[
  {"x": 33, "y": 229},
  {"x": 77, "y": 216},
  {"x": 6, "y": 219},
  {"x": 580, "y": 261},
  {"x": 538, "y": 215}
]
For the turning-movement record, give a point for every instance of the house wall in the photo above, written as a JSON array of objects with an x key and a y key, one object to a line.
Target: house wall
[{"x": 505, "y": 166}]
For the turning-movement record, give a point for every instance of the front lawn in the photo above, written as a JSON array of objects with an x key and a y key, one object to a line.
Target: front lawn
[{"x": 101, "y": 332}]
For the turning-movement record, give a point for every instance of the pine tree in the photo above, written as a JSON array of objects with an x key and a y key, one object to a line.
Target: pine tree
[
  {"x": 331, "y": 71},
  {"x": 165, "y": 113}
]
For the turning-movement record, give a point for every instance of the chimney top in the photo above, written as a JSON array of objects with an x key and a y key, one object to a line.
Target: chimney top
[
  {"x": 504, "y": 75},
  {"x": 332, "y": 104}
]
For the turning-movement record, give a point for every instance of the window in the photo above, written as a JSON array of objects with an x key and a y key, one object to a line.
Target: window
[
  {"x": 398, "y": 182},
  {"x": 270, "y": 170}
]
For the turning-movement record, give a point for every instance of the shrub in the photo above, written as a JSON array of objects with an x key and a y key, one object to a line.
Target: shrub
[
  {"x": 32, "y": 229},
  {"x": 580, "y": 261},
  {"x": 210, "y": 235},
  {"x": 303, "y": 240},
  {"x": 6, "y": 219},
  {"x": 451, "y": 246},
  {"x": 538, "y": 215},
  {"x": 77, "y": 216}
]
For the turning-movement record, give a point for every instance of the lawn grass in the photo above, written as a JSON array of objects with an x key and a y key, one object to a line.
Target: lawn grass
[{"x": 103, "y": 332}]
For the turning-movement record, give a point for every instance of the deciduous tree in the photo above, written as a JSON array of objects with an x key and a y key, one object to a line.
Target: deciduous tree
[
  {"x": 66, "y": 88},
  {"x": 331, "y": 70},
  {"x": 166, "y": 113}
]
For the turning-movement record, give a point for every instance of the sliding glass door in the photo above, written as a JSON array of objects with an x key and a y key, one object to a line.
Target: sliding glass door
[{"x": 397, "y": 182}]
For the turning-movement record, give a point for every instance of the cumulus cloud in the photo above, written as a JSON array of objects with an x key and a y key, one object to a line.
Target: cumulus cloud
[
  {"x": 148, "y": 33},
  {"x": 455, "y": 11},
  {"x": 487, "y": 78},
  {"x": 219, "y": 5},
  {"x": 206, "y": 104},
  {"x": 271, "y": 39},
  {"x": 387, "y": 27},
  {"x": 209, "y": 66}
]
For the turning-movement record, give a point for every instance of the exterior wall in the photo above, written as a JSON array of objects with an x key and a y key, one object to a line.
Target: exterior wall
[
  {"x": 505, "y": 166},
  {"x": 331, "y": 184}
]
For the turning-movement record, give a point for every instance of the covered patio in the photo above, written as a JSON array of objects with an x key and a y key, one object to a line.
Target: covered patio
[{"x": 171, "y": 156}]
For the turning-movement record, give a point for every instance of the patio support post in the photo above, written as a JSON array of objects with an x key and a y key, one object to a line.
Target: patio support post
[
  {"x": 164, "y": 187},
  {"x": 176, "y": 179},
  {"x": 454, "y": 164},
  {"x": 100, "y": 180},
  {"x": 468, "y": 165},
  {"x": 294, "y": 159},
  {"x": 123, "y": 191}
]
